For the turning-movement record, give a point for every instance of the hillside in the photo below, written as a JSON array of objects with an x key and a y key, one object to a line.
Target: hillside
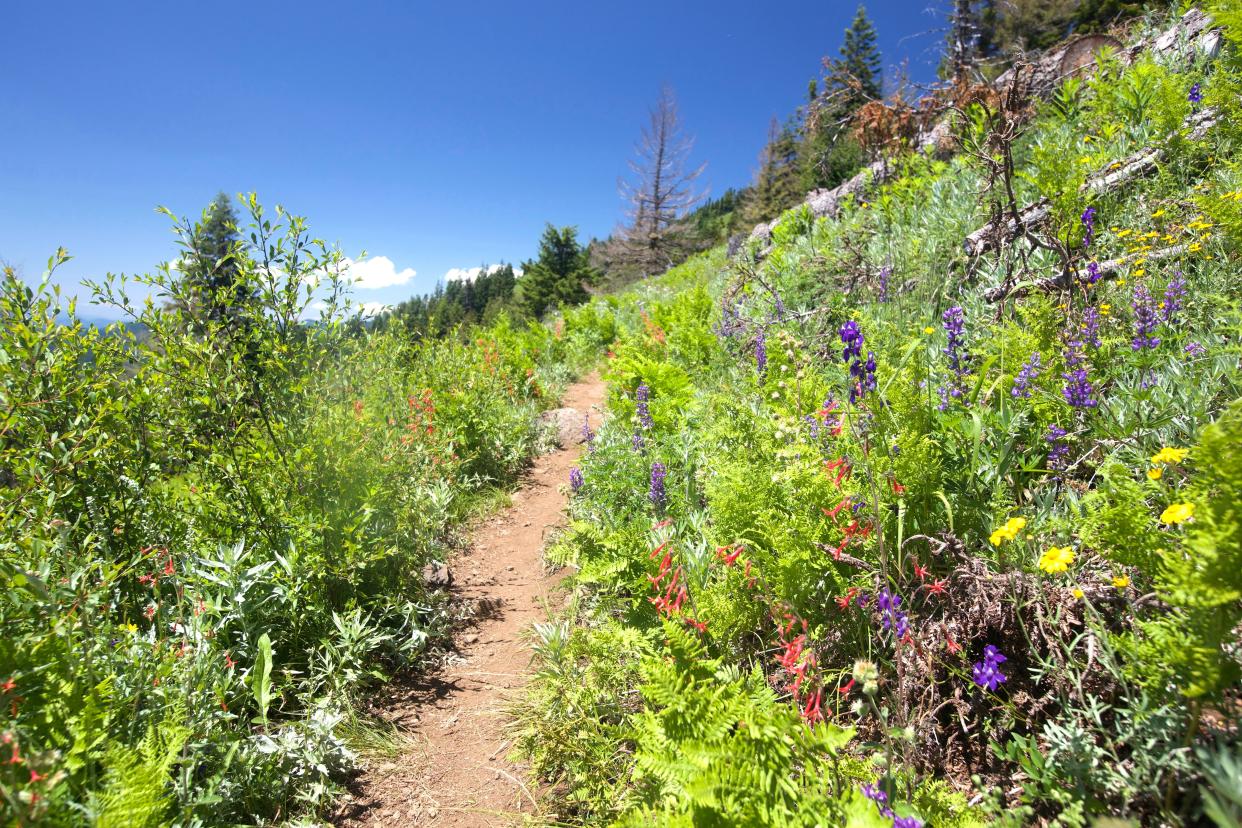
[{"x": 916, "y": 506}]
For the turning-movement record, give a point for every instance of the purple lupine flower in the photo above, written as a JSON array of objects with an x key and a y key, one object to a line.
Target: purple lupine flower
[
  {"x": 875, "y": 794},
  {"x": 1088, "y": 223},
  {"x": 1091, "y": 326},
  {"x": 642, "y": 395},
  {"x": 891, "y": 617},
  {"x": 638, "y": 442},
  {"x": 587, "y": 435},
  {"x": 987, "y": 673},
  {"x": 575, "y": 479},
  {"x": 1173, "y": 296},
  {"x": 778, "y": 305},
  {"x": 1093, "y": 272},
  {"x": 1058, "y": 448},
  {"x": 907, "y": 822},
  {"x": 1029, "y": 372},
  {"x": 1078, "y": 390},
  {"x": 1195, "y": 95},
  {"x": 862, "y": 375},
  {"x": 656, "y": 493},
  {"x": 885, "y": 273},
  {"x": 1145, "y": 320},
  {"x": 1195, "y": 349},
  {"x": 761, "y": 353},
  {"x": 730, "y": 324},
  {"x": 812, "y": 425},
  {"x": 959, "y": 359}
]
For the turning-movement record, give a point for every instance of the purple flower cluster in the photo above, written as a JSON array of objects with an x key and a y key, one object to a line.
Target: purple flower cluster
[
  {"x": 1078, "y": 390},
  {"x": 1173, "y": 296},
  {"x": 987, "y": 673},
  {"x": 656, "y": 494},
  {"x": 730, "y": 324},
  {"x": 812, "y": 426},
  {"x": 959, "y": 359},
  {"x": 1093, "y": 272},
  {"x": 1091, "y": 326},
  {"x": 880, "y": 798},
  {"x": 638, "y": 442},
  {"x": 641, "y": 396},
  {"x": 1058, "y": 448},
  {"x": 575, "y": 479},
  {"x": 862, "y": 374},
  {"x": 761, "y": 354},
  {"x": 587, "y": 435},
  {"x": 1195, "y": 349},
  {"x": 1145, "y": 319},
  {"x": 1029, "y": 372},
  {"x": 891, "y": 618},
  {"x": 1088, "y": 223},
  {"x": 885, "y": 273},
  {"x": 1195, "y": 95}
]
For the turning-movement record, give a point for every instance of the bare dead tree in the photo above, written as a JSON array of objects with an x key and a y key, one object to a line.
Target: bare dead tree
[{"x": 662, "y": 193}]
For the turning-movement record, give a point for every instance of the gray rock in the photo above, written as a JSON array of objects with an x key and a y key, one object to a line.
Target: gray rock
[
  {"x": 437, "y": 576},
  {"x": 568, "y": 425}
]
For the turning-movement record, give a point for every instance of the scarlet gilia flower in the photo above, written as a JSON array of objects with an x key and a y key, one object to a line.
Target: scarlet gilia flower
[
  {"x": 920, "y": 572},
  {"x": 844, "y": 601},
  {"x": 936, "y": 587},
  {"x": 229, "y": 663},
  {"x": 841, "y": 467},
  {"x": 729, "y": 558},
  {"x": 847, "y": 687},
  {"x": 813, "y": 713},
  {"x": 898, "y": 489}
]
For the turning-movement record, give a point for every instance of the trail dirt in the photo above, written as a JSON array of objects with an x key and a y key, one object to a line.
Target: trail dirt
[{"x": 455, "y": 772}]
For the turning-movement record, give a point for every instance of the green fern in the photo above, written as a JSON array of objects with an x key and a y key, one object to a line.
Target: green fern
[{"x": 136, "y": 782}]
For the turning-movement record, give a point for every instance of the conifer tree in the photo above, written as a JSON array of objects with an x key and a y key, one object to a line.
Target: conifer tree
[
  {"x": 860, "y": 62},
  {"x": 559, "y": 275},
  {"x": 212, "y": 265}
]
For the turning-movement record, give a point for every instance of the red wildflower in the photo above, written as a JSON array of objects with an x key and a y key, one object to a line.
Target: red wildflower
[
  {"x": 8, "y": 685},
  {"x": 920, "y": 572},
  {"x": 898, "y": 489},
  {"x": 812, "y": 712},
  {"x": 847, "y": 687},
  {"x": 150, "y": 611},
  {"x": 844, "y": 601},
  {"x": 229, "y": 663},
  {"x": 169, "y": 567},
  {"x": 951, "y": 645},
  {"x": 936, "y": 587}
]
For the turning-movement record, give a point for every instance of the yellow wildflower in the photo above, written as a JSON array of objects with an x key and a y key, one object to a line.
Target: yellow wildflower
[
  {"x": 1009, "y": 531},
  {"x": 1154, "y": 473},
  {"x": 1170, "y": 455},
  {"x": 1158, "y": 213},
  {"x": 929, "y": 330},
  {"x": 131, "y": 627},
  {"x": 1056, "y": 559},
  {"x": 1078, "y": 593},
  {"x": 1123, "y": 233},
  {"x": 1121, "y": 581},
  {"x": 1105, "y": 308},
  {"x": 1195, "y": 248},
  {"x": 1178, "y": 513},
  {"x": 1139, "y": 272}
]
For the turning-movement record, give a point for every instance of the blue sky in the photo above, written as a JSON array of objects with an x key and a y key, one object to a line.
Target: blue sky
[{"x": 438, "y": 135}]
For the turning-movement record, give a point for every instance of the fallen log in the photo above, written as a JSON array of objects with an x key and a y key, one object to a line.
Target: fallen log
[
  {"x": 1110, "y": 178},
  {"x": 1064, "y": 280},
  {"x": 1194, "y": 27}
]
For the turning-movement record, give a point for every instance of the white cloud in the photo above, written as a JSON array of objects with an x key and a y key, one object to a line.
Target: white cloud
[
  {"x": 377, "y": 272},
  {"x": 371, "y": 308},
  {"x": 469, "y": 274}
]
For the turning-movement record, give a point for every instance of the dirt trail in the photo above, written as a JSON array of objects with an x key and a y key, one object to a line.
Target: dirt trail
[{"x": 456, "y": 773}]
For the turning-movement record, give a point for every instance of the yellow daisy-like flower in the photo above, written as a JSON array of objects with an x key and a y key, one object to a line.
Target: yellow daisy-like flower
[
  {"x": 1121, "y": 581},
  {"x": 1009, "y": 531},
  {"x": 1178, "y": 513},
  {"x": 929, "y": 330},
  {"x": 1170, "y": 455},
  {"x": 1105, "y": 309},
  {"x": 1154, "y": 473},
  {"x": 1078, "y": 593},
  {"x": 1123, "y": 233},
  {"x": 1140, "y": 272},
  {"x": 1121, "y": 282},
  {"x": 131, "y": 627},
  {"x": 1056, "y": 559},
  {"x": 1158, "y": 213}
]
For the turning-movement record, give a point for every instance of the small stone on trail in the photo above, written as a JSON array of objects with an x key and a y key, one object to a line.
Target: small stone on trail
[
  {"x": 568, "y": 423},
  {"x": 437, "y": 576},
  {"x": 471, "y": 638}
]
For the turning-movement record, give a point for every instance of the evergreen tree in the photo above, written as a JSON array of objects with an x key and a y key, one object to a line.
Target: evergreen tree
[
  {"x": 212, "y": 266},
  {"x": 860, "y": 62},
  {"x": 560, "y": 273},
  {"x": 777, "y": 186}
]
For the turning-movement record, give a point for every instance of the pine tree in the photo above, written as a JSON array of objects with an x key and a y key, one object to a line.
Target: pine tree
[
  {"x": 776, "y": 186},
  {"x": 212, "y": 265},
  {"x": 860, "y": 61},
  {"x": 656, "y": 236},
  {"x": 560, "y": 273}
]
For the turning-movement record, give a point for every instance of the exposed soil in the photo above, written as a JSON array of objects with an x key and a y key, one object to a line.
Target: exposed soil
[{"x": 456, "y": 772}]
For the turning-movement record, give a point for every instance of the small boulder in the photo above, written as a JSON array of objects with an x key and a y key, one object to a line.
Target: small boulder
[
  {"x": 568, "y": 425},
  {"x": 437, "y": 576}
]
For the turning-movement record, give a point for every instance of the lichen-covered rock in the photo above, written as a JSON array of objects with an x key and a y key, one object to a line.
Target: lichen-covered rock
[{"x": 568, "y": 424}]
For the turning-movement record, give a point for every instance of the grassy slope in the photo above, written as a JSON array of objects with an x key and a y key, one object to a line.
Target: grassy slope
[{"x": 640, "y": 717}]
